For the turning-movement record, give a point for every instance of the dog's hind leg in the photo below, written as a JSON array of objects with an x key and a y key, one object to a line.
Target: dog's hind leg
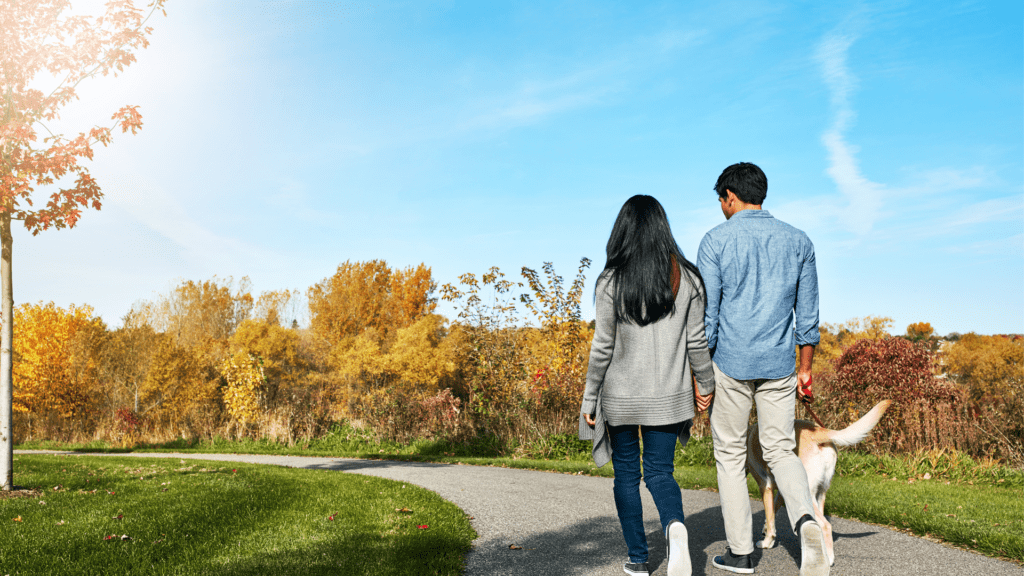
[
  {"x": 771, "y": 501},
  {"x": 826, "y": 528}
]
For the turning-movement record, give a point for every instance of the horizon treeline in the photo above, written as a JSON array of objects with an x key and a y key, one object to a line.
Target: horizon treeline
[{"x": 211, "y": 359}]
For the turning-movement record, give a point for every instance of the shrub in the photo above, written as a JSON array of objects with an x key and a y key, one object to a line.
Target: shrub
[
  {"x": 397, "y": 416},
  {"x": 926, "y": 411}
]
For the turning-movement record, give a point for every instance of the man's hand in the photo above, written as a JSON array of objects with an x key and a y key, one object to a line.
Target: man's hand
[
  {"x": 803, "y": 387},
  {"x": 590, "y": 419},
  {"x": 803, "y": 374},
  {"x": 703, "y": 402}
]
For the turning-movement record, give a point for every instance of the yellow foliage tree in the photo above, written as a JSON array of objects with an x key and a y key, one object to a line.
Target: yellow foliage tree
[
  {"x": 370, "y": 295},
  {"x": 273, "y": 306},
  {"x": 50, "y": 375},
  {"x": 835, "y": 338},
  {"x": 125, "y": 360},
  {"x": 421, "y": 358},
  {"x": 243, "y": 395},
  {"x": 421, "y": 361},
  {"x": 279, "y": 349},
  {"x": 988, "y": 365},
  {"x": 919, "y": 331},
  {"x": 199, "y": 315},
  {"x": 564, "y": 334},
  {"x": 179, "y": 382}
]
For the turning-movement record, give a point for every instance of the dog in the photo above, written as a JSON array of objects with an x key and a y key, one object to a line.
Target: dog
[{"x": 816, "y": 447}]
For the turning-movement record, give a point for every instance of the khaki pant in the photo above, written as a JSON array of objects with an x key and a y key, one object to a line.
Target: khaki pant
[{"x": 776, "y": 403}]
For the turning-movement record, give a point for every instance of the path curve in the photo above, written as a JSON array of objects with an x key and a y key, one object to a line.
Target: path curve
[{"x": 567, "y": 525}]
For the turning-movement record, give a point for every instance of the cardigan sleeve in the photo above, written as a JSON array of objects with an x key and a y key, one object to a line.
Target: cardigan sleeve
[
  {"x": 603, "y": 345},
  {"x": 697, "y": 344}
]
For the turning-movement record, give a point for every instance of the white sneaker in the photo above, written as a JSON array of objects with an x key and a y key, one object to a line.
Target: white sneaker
[
  {"x": 678, "y": 549},
  {"x": 813, "y": 559}
]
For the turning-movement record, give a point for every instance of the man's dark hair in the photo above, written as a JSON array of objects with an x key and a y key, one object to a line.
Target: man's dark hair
[{"x": 746, "y": 181}]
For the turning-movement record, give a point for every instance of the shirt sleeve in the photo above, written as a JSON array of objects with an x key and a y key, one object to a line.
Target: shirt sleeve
[
  {"x": 602, "y": 346},
  {"x": 708, "y": 264},
  {"x": 806, "y": 308}
]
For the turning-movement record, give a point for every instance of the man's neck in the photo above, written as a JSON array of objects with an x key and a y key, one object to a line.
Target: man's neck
[{"x": 739, "y": 207}]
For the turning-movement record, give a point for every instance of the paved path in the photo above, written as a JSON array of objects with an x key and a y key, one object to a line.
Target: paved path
[{"x": 566, "y": 525}]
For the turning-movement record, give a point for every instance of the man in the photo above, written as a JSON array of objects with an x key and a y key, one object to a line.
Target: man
[{"x": 761, "y": 282}]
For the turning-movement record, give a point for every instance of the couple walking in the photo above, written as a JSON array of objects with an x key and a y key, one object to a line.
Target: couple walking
[{"x": 735, "y": 320}]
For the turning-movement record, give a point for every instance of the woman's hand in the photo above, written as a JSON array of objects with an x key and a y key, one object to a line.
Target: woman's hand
[
  {"x": 703, "y": 402},
  {"x": 590, "y": 419}
]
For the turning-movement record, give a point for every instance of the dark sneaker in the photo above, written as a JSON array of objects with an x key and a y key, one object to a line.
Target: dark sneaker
[
  {"x": 678, "y": 555},
  {"x": 734, "y": 563},
  {"x": 813, "y": 559},
  {"x": 640, "y": 569}
]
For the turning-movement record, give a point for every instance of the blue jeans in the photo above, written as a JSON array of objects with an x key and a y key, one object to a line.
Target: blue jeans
[{"x": 658, "y": 464}]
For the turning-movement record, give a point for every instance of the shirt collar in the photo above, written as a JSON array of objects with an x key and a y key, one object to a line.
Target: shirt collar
[{"x": 752, "y": 214}]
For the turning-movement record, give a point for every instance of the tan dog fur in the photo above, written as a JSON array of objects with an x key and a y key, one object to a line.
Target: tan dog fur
[{"x": 816, "y": 447}]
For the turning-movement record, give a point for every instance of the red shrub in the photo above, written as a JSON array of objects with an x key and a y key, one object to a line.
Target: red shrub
[{"x": 927, "y": 411}]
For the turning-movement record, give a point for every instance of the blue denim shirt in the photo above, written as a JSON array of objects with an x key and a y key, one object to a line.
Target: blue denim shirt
[{"x": 761, "y": 278}]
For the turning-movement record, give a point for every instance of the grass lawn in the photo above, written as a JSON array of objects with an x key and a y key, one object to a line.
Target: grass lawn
[
  {"x": 975, "y": 506},
  {"x": 109, "y": 515}
]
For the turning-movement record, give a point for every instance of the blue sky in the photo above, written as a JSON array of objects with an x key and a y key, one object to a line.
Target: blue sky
[{"x": 283, "y": 138}]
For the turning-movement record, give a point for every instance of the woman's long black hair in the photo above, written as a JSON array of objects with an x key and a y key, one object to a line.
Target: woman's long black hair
[{"x": 641, "y": 255}]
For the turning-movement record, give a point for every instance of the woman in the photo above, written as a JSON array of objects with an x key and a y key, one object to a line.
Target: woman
[{"x": 649, "y": 335}]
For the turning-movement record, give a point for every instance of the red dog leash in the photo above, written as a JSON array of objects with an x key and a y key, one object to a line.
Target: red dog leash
[{"x": 808, "y": 398}]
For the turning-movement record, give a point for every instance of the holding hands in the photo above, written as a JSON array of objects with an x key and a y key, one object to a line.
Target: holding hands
[{"x": 703, "y": 402}]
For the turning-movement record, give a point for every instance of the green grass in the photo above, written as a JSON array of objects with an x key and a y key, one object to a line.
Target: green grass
[
  {"x": 196, "y": 517},
  {"x": 990, "y": 517}
]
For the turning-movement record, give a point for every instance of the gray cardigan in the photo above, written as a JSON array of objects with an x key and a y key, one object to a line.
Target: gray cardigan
[{"x": 641, "y": 374}]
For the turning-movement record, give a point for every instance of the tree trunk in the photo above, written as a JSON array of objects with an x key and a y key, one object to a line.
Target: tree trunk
[{"x": 6, "y": 359}]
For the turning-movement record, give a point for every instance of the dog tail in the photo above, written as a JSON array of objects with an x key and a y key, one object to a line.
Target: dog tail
[{"x": 860, "y": 429}]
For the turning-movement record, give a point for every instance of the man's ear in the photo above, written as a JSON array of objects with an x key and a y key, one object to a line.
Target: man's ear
[{"x": 730, "y": 196}]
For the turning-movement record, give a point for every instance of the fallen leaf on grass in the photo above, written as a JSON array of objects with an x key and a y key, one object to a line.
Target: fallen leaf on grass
[
  {"x": 423, "y": 526},
  {"x": 331, "y": 517},
  {"x": 18, "y": 519},
  {"x": 42, "y": 502},
  {"x": 403, "y": 510},
  {"x": 118, "y": 517},
  {"x": 925, "y": 509},
  {"x": 514, "y": 547},
  {"x": 61, "y": 523}
]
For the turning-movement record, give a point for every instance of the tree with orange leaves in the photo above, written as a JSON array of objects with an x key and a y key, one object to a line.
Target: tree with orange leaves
[
  {"x": 48, "y": 376},
  {"x": 370, "y": 295},
  {"x": 41, "y": 40}
]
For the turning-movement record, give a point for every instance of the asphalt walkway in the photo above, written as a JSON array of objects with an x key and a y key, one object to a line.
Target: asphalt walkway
[{"x": 566, "y": 525}]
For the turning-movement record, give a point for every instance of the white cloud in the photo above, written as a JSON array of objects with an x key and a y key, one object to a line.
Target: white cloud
[
  {"x": 535, "y": 99},
  {"x": 1013, "y": 245},
  {"x": 864, "y": 197},
  {"x": 156, "y": 209}
]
